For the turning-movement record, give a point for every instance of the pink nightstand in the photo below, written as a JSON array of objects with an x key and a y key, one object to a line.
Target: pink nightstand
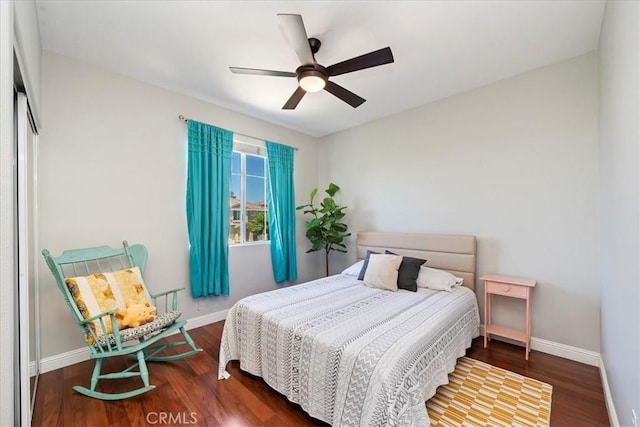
[{"x": 513, "y": 287}]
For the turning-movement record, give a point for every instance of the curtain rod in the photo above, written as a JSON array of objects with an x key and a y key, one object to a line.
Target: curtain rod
[{"x": 186, "y": 120}]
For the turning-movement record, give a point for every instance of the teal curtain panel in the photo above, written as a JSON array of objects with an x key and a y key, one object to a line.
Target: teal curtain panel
[
  {"x": 282, "y": 212},
  {"x": 208, "y": 176}
]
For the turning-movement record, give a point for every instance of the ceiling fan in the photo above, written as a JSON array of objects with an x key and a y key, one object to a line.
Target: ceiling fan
[{"x": 313, "y": 77}]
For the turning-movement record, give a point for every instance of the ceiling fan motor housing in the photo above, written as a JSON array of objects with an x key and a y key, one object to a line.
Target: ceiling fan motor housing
[{"x": 312, "y": 70}]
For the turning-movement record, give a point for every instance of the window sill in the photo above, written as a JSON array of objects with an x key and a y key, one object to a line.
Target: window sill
[{"x": 258, "y": 243}]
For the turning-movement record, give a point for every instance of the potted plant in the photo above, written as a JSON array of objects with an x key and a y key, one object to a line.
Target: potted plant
[{"x": 325, "y": 231}]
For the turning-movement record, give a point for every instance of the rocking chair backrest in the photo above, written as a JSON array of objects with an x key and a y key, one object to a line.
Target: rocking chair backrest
[{"x": 102, "y": 259}]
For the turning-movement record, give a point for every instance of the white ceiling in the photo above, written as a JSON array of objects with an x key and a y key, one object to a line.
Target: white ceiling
[{"x": 440, "y": 47}]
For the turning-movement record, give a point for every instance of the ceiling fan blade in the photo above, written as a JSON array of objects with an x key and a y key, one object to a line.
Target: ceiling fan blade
[
  {"x": 292, "y": 103},
  {"x": 346, "y": 95},
  {"x": 258, "y": 72},
  {"x": 368, "y": 60},
  {"x": 292, "y": 28}
]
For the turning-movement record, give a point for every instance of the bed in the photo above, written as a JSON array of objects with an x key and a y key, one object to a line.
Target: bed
[{"x": 352, "y": 355}]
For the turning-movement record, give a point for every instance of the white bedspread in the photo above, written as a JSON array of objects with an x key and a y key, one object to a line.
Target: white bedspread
[{"x": 348, "y": 354}]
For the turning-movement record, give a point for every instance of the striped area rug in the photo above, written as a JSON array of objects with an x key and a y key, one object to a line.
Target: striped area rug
[{"x": 479, "y": 394}]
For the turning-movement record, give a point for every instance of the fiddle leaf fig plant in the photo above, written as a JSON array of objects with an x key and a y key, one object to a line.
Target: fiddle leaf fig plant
[{"x": 325, "y": 230}]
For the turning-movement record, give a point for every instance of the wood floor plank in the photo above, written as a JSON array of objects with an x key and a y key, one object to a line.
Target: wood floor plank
[
  {"x": 190, "y": 388},
  {"x": 49, "y": 396},
  {"x": 132, "y": 412}
]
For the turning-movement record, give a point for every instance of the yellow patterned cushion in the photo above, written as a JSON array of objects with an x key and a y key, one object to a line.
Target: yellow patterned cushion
[
  {"x": 129, "y": 286},
  {"x": 100, "y": 292}
]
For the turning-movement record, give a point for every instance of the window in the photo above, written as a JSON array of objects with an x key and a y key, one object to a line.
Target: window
[{"x": 249, "y": 212}]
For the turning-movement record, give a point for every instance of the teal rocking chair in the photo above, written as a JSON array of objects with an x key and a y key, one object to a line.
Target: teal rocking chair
[{"x": 86, "y": 279}]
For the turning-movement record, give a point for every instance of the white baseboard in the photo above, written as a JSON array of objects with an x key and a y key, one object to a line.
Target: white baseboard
[
  {"x": 561, "y": 350},
  {"x": 568, "y": 352},
  {"x": 207, "y": 319},
  {"x": 61, "y": 360},
  {"x": 611, "y": 409}
]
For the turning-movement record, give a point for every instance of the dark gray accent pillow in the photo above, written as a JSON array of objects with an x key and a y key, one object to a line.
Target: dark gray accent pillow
[
  {"x": 366, "y": 264},
  {"x": 408, "y": 272}
]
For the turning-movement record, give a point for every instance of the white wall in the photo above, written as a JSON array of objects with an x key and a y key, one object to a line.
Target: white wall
[
  {"x": 113, "y": 167},
  {"x": 513, "y": 163},
  {"x": 619, "y": 204}
]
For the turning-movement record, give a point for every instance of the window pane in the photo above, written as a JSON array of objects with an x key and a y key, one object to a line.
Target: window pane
[
  {"x": 234, "y": 226},
  {"x": 235, "y": 162},
  {"x": 249, "y": 220},
  {"x": 255, "y": 193},
  {"x": 236, "y": 214},
  {"x": 234, "y": 231},
  {"x": 235, "y": 187},
  {"x": 255, "y": 165},
  {"x": 257, "y": 227}
]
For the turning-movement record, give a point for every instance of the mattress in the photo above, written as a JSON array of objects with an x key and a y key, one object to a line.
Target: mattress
[{"x": 348, "y": 354}]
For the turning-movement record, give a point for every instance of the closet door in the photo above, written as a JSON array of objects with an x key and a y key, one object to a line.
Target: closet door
[{"x": 28, "y": 303}]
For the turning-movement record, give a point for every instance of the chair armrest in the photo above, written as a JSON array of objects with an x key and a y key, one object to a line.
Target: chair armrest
[
  {"x": 85, "y": 323},
  {"x": 165, "y": 294}
]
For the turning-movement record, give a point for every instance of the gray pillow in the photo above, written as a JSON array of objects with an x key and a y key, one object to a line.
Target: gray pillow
[
  {"x": 366, "y": 264},
  {"x": 408, "y": 272}
]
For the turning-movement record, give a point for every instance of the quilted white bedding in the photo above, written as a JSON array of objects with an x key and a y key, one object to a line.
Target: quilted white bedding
[{"x": 348, "y": 354}]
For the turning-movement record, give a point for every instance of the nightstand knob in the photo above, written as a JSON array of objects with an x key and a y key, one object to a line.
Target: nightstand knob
[{"x": 506, "y": 288}]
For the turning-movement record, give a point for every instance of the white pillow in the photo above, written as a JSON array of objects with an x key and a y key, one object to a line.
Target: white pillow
[
  {"x": 353, "y": 270},
  {"x": 382, "y": 271},
  {"x": 438, "y": 280}
]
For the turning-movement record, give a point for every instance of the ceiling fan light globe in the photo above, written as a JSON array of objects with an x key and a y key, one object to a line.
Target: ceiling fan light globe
[{"x": 312, "y": 81}]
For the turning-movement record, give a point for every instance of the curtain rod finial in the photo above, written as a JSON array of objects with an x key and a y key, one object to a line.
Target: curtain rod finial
[{"x": 183, "y": 118}]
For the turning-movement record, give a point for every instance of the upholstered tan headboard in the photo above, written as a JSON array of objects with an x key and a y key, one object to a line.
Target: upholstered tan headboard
[{"x": 453, "y": 253}]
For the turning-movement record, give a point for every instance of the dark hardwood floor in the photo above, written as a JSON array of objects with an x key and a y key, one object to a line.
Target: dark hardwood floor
[{"x": 189, "y": 393}]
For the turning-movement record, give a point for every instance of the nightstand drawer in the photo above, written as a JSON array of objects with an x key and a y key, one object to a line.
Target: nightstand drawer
[{"x": 506, "y": 289}]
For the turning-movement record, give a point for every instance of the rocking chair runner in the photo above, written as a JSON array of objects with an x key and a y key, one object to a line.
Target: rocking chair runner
[{"x": 111, "y": 278}]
